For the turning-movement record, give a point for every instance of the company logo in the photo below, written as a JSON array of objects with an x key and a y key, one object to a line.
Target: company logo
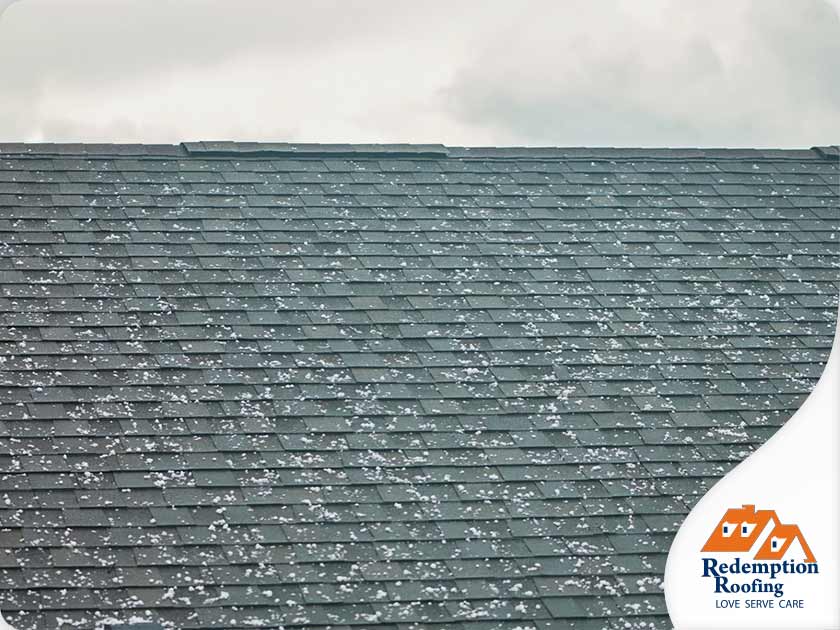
[
  {"x": 743, "y": 529},
  {"x": 759, "y": 554}
]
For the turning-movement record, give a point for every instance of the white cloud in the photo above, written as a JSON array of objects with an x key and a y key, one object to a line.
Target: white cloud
[
  {"x": 743, "y": 72},
  {"x": 748, "y": 73}
]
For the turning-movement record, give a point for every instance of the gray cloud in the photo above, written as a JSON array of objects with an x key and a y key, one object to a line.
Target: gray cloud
[
  {"x": 95, "y": 41},
  {"x": 743, "y": 72},
  {"x": 762, "y": 72}
]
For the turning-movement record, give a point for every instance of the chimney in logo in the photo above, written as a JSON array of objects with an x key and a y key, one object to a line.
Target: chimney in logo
[{"x": 741, "y": 528}]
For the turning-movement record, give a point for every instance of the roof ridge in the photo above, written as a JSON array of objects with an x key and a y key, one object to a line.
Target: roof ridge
[
  {"x": 831, "y": 151},
  {"x": 233, "y": 149},
  {"x": 287, "y": 149}
]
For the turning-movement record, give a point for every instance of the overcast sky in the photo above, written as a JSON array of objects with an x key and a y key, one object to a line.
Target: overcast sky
[{"x": 469, "y": 72}]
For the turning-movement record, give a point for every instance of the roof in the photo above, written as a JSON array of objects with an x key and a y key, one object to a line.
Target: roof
[
  {"x": 389, "y": 387},
  {"x": 735, "y": 539},
  {"x": 784, "y": 535}
]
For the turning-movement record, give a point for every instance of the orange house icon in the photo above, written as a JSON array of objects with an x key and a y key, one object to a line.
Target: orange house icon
[{"x": 745, "y": 528}]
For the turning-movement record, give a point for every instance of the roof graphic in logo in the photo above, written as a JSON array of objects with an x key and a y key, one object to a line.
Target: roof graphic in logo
[{"x": 743, "y": 529}]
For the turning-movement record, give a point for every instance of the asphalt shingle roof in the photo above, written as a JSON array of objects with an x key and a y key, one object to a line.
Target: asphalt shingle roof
[{"x": 389, "y": 387}]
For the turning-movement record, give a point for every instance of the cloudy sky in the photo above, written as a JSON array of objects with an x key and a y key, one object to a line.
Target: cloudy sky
[{"x": 459, "y": 72}]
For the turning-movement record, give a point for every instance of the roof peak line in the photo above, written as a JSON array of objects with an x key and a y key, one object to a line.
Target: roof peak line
[
  {"x": 417, "y": 151},
  {"x": 290, "y": 149},
  {"x": 246, "y": 150},
  {"x": 828, "y": 152}
]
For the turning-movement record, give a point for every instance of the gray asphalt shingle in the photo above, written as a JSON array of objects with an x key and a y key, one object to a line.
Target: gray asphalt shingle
[{"x": 389, "y": 386}]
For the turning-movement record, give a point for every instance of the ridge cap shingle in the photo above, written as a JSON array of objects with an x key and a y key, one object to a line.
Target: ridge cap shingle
[
  {"x": 831, "y": 151},
  {"x": 233, "y": 149},
  {"x": 404, "y": 150}
]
